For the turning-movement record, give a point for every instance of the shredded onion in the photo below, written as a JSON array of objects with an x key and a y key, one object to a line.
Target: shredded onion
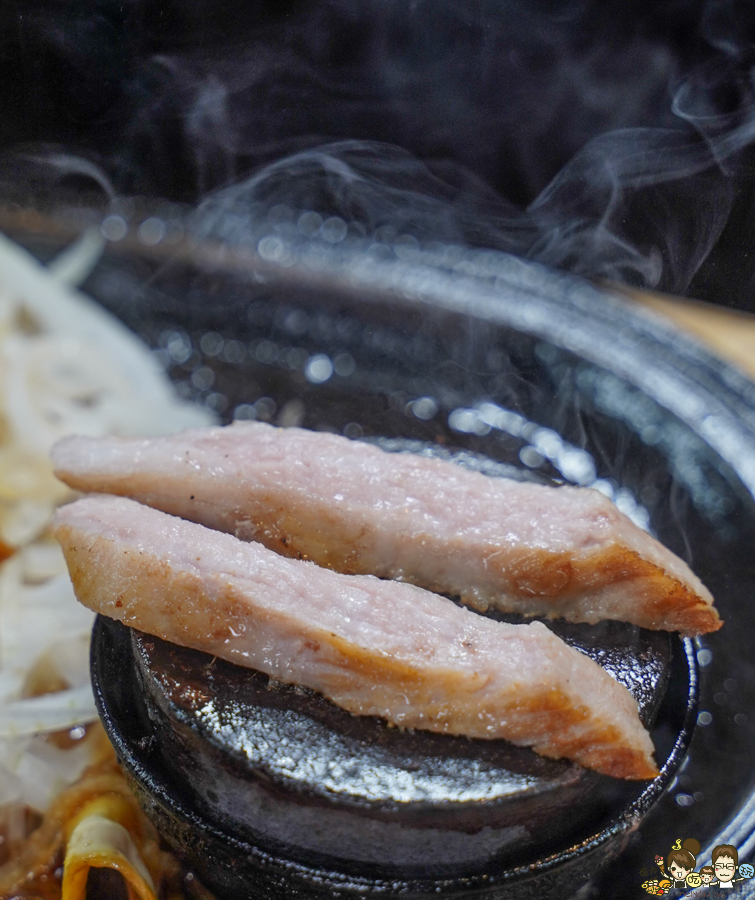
[
  {"x": 101, "y": 842},
  {"x": 101, "y": 791},
  {"x": 59, "y": 711},
  {"x": 77, "y": 262},
  {"x": 66, "y": 366}
]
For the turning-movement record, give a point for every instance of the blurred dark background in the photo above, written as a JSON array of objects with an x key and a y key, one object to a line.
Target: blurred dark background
[{"x": 611, "y": 138}]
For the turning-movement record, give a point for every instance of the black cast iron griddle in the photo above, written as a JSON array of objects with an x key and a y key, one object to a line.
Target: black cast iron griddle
[
  {"x": 486, "y": 354},
  {"x": 270, "y": 790},
  {"x": 283, "y": 766}
]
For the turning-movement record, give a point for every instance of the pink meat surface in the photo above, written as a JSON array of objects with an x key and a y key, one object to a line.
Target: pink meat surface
[
  {"x": 374, "y": 647},
  {"x": 352, "y": 507}
]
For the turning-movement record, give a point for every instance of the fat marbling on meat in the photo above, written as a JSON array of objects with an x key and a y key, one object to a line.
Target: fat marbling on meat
[
  {"x": 352, "y": 507},
  {"x": 379, "y": 648}
]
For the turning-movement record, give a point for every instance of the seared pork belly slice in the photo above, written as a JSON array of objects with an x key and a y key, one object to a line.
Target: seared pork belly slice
[
  {"x": 352, "y": 507},
  {"x": 378, "y": 648}
]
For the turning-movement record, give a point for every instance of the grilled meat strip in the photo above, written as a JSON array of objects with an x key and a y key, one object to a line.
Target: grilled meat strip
[
  {"x": 374, "y": 647},
  {"x": 352, "y": 507}
]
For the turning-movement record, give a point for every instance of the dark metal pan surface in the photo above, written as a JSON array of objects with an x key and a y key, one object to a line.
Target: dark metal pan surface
[{"x": 530, "y": 369}]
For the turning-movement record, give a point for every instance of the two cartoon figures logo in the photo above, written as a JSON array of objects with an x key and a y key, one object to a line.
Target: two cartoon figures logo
[{"x": 678, "y": 873}]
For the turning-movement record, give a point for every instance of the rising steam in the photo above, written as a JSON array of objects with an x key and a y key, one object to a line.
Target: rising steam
[{"x": 587, "y": 137}]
